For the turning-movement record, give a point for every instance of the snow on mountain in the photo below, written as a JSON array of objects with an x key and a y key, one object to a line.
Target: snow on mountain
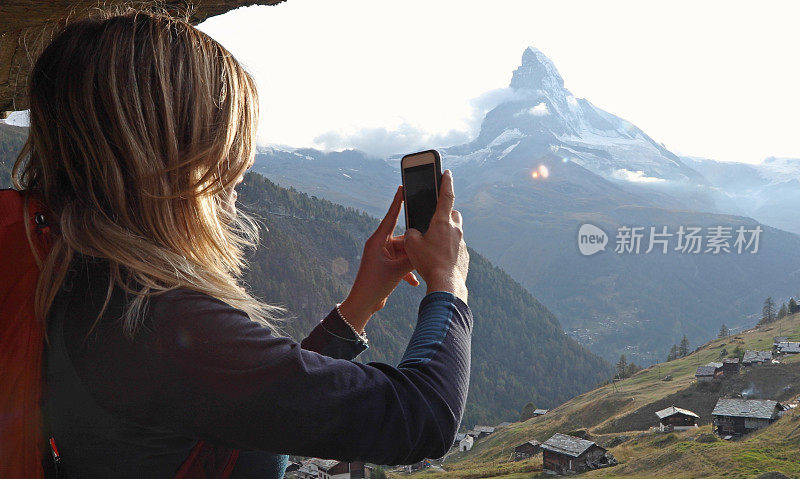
[
  {"x": 779, "y": 170},
  {"x": 769, "y": 191},
  {"x": 543, "y": 110}
]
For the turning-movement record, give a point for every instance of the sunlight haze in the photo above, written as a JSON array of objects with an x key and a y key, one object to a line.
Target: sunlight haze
[{"x": 712, "y": 79}]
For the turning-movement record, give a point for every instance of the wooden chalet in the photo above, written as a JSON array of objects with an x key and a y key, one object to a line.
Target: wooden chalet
[
  {"x": 527, "y": 449},
  {"x": 539, "y": 412},
  {"x": 735, "y": 417},
  {"x": 776, "y": 340},
  {"x": 752, "y": 358},
  {"x": 730, "y": 366},
  {"x": 705, "y": 373},
  {"x": 332, "y": 469},
  {"x": 481, "y": 431},
  {"x": 676, "y": 419},
  {"x": 309, "y": 469},
  {"x": 562, "y": 454},
  {"x": 789, "y": 347}
]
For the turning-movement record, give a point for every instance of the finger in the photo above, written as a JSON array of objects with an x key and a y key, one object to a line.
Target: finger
[
  {"x": 411, "y": 240},
  {"x": 390, "y": 220},
  {"x": 395, "y": 241},
  {"x": 456, "y": 215},
  {"x": 446, "y": 196},
  {"x": 412, "y": 236},
  {"x": 397, "y": 253},
  {"x": 411, "y": 279}
]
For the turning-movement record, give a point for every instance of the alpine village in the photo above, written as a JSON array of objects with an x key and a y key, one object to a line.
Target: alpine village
[{"x": 727, "y": 409}]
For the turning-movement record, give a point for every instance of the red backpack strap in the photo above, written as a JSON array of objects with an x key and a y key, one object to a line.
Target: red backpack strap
[
  {"x": 21, "y": 336},
  {"x": 207, "y": 461}
]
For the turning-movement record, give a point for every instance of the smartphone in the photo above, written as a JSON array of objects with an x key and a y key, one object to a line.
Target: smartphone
[{"x": 422, "y": 175}]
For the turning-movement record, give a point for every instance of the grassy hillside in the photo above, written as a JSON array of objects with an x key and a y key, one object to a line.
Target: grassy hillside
[
  {"x": 307, "y": 261},
  {"x": 619, "y": 416}
]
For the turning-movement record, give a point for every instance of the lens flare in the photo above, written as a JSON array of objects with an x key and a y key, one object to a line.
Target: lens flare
[
  {"x": 540, "y": 172},
  {"x": 543, "y": 171}
]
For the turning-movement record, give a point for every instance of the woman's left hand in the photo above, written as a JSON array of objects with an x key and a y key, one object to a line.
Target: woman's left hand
[{"x": 383, "y": 265}]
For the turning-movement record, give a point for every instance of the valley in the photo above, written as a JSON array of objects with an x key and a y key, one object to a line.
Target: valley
[{"x": 601, "y": 170}]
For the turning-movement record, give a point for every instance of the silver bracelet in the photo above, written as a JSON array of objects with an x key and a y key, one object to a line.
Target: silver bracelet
[{"x": 362, "y": 337}]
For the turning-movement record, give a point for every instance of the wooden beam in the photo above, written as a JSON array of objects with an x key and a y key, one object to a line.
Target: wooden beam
[{"x": 27, "y": 26}]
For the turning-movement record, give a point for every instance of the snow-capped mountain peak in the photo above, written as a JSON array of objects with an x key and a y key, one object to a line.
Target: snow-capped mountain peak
[
  {"x": 537, "y": 72},
  {"x": 545, "y": 114}
]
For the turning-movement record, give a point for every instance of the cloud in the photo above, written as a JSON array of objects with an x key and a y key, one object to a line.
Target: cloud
[
  {"x": 406, "y": 138},
  {"x": 381, "y": 141},
  {"x": 635, "y": 176},
  {"x": 538, "y": 110}
]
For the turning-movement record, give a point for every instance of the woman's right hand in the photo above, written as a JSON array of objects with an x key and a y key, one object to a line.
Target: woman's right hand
[{"x": 440, "y": 256}]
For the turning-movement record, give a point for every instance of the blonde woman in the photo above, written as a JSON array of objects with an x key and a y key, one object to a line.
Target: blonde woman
[{"x": 141, "y": 128}]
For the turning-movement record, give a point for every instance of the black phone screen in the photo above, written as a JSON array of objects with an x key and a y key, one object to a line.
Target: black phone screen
[{"x": 420, "y": 186}]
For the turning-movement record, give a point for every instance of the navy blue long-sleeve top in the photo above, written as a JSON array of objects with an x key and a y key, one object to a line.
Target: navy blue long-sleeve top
[{"x": 202, "y": 370}]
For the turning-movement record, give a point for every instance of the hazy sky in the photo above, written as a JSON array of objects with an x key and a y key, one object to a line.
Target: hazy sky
[
  {"x": 719, "y": 79},
  {"x": 714, "y": 79}
]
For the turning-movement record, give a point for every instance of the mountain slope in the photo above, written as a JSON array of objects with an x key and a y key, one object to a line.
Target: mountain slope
[
  {"x": 769, "y": 191},
  {"x": 519, "y": 349},
  {"x": 308, "y": 258},
  {"x": 603, "y": 171},
  {"x": 619, "y": 417}
]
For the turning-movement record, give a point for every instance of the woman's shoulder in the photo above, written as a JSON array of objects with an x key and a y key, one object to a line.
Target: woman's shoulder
[
  {"x": 196, "y": 321},
  {"x": 168, "y": 315},
  {"x": 186, "y": 299}
]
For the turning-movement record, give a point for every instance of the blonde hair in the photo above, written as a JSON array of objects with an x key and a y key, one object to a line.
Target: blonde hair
[{"x": 140, "y": 125}]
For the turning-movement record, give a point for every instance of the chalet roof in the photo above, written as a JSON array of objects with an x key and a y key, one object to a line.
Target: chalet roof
[
  {"x": 568, "y": 445},
  {"x": 460, "y": 436},
  {"x": 753, "y": 408},
  {"x": 705, "y": 371},
  {"x": 757, "y": 356},
  {"x": 780, "y": 339},
  {"x": 324, "y": 464},
  {"x": 540, "y": 411},
  {"x": 672, "y": 410},
  {"x": 480, "y": 429},
  {"x": 730, "y": 361},
  {"x": 715, "y": 365},
  {"x": 533, "y": 443},
  {"x": 787, "y": 347}
]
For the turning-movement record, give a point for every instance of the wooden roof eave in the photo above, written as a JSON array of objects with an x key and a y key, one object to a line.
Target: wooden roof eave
[{"x": 28, "y": 25}]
